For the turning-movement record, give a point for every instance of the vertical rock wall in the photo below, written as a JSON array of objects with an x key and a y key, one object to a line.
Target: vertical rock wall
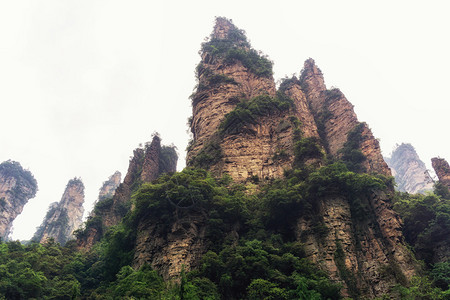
[
  {"x": 442, "y": 170},
  {"x": 335, "y": 118},
  {"x": 17, "y": 186}
]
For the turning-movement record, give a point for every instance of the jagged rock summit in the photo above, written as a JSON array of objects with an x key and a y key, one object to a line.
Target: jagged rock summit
[
  {"x": 410, "y": 172},
  {"x": 63, "y": 218},
  {"x": 244, "y": 127},
  {"x": 146, "y": 165},
  {"x": 17, "y": 186}
]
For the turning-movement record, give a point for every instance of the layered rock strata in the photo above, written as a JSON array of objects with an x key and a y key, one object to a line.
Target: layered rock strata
[
  {"x": 63, "y": 218},
  {"x": 411, "y": 174},
  {"x": 372, "y": 249},
  {"x": 335, "y": 117},
  {"x": 254, "y": 152},
  {"x": 181, "y": 247},
  {"x": 17, "y": 186}
]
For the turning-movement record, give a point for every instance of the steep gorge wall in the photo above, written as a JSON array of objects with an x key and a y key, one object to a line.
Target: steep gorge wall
[
  {"x": 63, "y": 218},
  {"x": 17, "y": 186},
  {"x": 409, "y": 171}
]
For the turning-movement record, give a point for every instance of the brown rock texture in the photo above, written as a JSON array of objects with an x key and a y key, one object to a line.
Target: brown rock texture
[
  {"x": 146, "y": 165},
  {"x": 442, "y": 170},
  {"x": 212, "y": 101},
  {"x": 65, "y": 217},
  {"x": 335, "y": 118},
  {"x": 372, "y": 250},
  {"x": 182, "y": 247},
  {"x": 17, "y": 186},
  {"x": 411, "y": 174}
]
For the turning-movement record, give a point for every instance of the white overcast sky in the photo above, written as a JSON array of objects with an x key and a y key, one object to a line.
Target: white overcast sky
[{"x": 82, "y": 83}]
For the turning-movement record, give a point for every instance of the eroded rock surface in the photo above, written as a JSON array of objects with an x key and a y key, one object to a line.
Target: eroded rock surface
[
  {"x": 17, "y": 186},
  {"x": 63, "y": 218},
  {"x": 409, "y": 171},
  {"x": 442, "y": 170}
]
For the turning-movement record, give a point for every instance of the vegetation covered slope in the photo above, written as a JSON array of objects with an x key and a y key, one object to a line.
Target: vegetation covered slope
[{"x": 252, "y": 253}]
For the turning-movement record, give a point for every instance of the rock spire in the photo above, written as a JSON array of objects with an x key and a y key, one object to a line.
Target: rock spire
[{"x": 63, "y": 218}]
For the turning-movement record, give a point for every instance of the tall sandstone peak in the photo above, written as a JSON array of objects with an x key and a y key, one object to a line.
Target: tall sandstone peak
[
  {"x": 63, "y": 218},
  {"x": 232, "y": 73},
  {"x": 146, "y": 165},
  {"x": 17, "y": 186},
  {"x": 242, "y": 126},
  {"x": 442, "y": 170},
  {"x": 409, "y": 170},
  {"x": 109, "y": 186}
]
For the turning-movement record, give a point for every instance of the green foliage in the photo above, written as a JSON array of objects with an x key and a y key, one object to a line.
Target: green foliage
[
  {"x": 351, "y": 152},
  {"x": 210, "y": 80},
  {"x": 209, "y": 155},
  {"x": 253, "y": 60},
  {"x": 36, "y": 271},
  {"x": 306, "y": 148},
  {"x": 235, "y": 47},
  {"x": 346, "y": 274},
  {"x": 247, "y": 112},
  {"x": 144, "y": 283},
  {"x": 441, "y": 275},
  {"x": 168, "y": 158},
  {"x": 441, "y": 190},
  {"x": 426, "y": 222},
  {"x": 24, "y": 177},
  {"x": 264, "y": 270},
  {"x": 420, "y": 288}
]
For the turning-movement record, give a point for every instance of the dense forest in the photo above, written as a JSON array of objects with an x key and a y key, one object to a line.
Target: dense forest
[{"x": 265, "y": 262}]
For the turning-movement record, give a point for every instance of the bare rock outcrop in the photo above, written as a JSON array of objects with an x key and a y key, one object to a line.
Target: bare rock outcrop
[
  {"x": 442, "y": 169},
  {"x": 17, "y": 186},
  {"x": 225, "y": 80},
  {"x": 336, "y": 118},
  {"x": 109, "y": 186},
  {"x": 146, "y": 165},
  {"x": 409, "y": 171},
  {"x": 63, "y": 218},
  {"x": 182, "y": 247}
]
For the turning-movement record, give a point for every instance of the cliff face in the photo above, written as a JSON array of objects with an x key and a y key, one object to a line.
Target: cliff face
[
  {"x": 170, "y": 252},
  {"x": 241, "y": 135},
  {"x": 146, "y": 165},
  {"x": 442, "y": 170},
  {"x": 228, "y": 88},
  {"x": 409, "y": 171},
  {"x": 65, "y": 217},
  {"x": 109, "y": 186},
  {"x": 335, "y": 118},
  {"x": 17, "y": 186}
]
